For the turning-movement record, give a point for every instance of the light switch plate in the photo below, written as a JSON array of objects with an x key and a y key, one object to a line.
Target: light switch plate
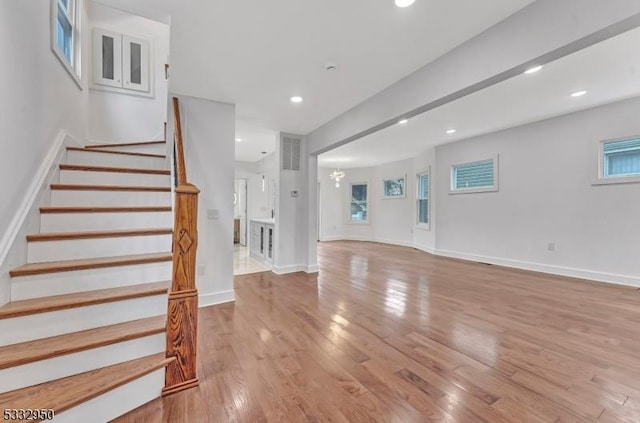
[{"x": 213, "y": 214}]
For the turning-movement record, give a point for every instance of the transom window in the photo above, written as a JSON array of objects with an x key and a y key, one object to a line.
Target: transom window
[{"x": 480, "y": 176}]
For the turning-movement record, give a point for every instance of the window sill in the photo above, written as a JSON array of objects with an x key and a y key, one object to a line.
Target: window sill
[
  {"x": 67, "y": 67},
  {"x": 617, "y": 181},
  {"x": 423, "y": 227},
  {"x": 358, "y": 222},
  {"x": 472, "y": 190}
]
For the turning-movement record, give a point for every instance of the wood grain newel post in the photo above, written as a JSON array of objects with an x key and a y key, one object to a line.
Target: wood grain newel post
[{"x": 182, "y": 316}]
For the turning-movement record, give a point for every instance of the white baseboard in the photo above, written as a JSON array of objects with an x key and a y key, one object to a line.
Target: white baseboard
[
  {"x": 293, "y": 268},
  {"x": 206, "y": 300},
  {"x": 424, "y": 248},
  {"x": 314, "y": 268},
  {"x": 546, "y": 268},
  {"x": 331, "y": 238}
]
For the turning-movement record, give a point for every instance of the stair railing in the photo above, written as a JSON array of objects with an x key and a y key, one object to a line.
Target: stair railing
[{"x": 182, "y": 314}]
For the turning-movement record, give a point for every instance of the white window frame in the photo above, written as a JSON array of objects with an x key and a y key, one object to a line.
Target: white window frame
[
  {"x": 73, "y": 68},
  {"x": 601, "y": 179},
  {"x": 418, "y": 224},
  {"x": 394, "y": 197},
  {"x": 349, "y": 197},
  {"x": 494, "y": 188},
  {"x": 122, "y": 65}
]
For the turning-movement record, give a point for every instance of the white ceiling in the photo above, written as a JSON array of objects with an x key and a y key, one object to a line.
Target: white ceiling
[
  {"x": 609, "y": 71},
  {"x": 257, "y": 54}
]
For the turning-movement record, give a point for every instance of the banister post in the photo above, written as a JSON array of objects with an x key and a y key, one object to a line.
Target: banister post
[{"x": 182, "y": 315}]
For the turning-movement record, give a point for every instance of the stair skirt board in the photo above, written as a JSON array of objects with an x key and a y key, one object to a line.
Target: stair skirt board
[
  {"x": 69, "y": 198},
  {"x": 44, "y": 325},
  {"x": 65, "y": 222},
  {"x": 88, "y": 157},
  {"x": 77, "y": 249},
  {"x": 50, "y": 284},
  {"x": 116, "y": 402},
  {"x": 13, "y": 378},
  {"x": 113, "y": 178}
]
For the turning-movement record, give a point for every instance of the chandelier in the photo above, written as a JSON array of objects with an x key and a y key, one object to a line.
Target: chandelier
[{"x": 336, "y": 175}]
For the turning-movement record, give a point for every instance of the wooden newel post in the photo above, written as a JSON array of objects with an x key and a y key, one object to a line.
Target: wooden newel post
[{"x": 182, "y": 315}]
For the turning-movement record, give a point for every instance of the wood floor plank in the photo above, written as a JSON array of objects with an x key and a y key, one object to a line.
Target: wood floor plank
[{"x": 388, "y": 334}]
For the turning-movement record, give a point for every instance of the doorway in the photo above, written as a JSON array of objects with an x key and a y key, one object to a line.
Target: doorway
[{"x": 240, "y": 212}]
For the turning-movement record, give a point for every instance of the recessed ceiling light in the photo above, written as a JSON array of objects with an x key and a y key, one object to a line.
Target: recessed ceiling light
[
  {"x": 404, "y": 3},
  {"x": 578, "y": 94},
  {"x": 533, "y": 70},
  {"x": 296, "y": 99},
  {"x": 403, "y": 121},
  {"x": 451, "y": 131},
  {"x": 238, "y": 139}
]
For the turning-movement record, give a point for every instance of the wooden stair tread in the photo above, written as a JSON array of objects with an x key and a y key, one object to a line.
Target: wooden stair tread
[
  {"x": 125, "y": 144},
  {"x": 60, "y": 236},
  {"x": 63, "y": 394},
  {"x": 111, "y": 169},
  {"x": 93, "y": 263},
  {"x": 126, "y": 153},
  {"x": 81, "y": 299},
  {"x": 46, "y": 348},
  {"x": 78, "y": 187},
  {"x": 105, "y": 209}
]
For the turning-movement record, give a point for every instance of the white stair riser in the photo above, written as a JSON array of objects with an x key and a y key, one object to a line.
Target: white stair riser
[
  {"x": 43, "y": 325},
  {"x": 116, "y": 402},
  {"x": 38, "y": 286},
  {"x": 71, "y": 198},
  {"x": 76, "y": 249},
  {"x": 80, "y": 362},
  {"x": 68, "y": 222},
  {"x": 114, "y": 178},
  {"x": 116, "y": 160},
  {"x": 147, "y": 149}
]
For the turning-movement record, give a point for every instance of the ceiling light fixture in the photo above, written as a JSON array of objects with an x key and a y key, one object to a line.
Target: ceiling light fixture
[
  {"x": 336, "y": 175},
  {"x": 296, "y": 99},
  {"x": 578, "y": 94},
  {"x": 403, "y": 121},
  {"x": 404, "y": 3},
  {"x": 533, "y": 70},
  {"x": 451, "y": 131},
  {"x": 238, "y": 139}
]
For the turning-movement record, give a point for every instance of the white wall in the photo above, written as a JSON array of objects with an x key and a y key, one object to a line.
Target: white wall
[
  {"x": 126, "y": 116},
  {"x": 209, "y": 129},
  {"x": 546, "y": 195},
  {"x": 41, "y": 102}
]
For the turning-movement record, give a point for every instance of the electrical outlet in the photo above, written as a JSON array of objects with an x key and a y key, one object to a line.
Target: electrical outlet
[
  {"x": 212, "y": 214},
  {"x": 551, "y": 246}
]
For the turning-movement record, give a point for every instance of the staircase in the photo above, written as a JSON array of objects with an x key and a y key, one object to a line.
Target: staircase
[{"x": 85, "y": 331}]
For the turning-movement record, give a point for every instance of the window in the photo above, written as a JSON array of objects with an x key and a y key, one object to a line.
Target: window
[
  {"x": 65, "y": 35},
  {"x": 480, "y": 176},
  {"x": 394, "y": 188},
  {"x": 621, "y": 159},
  {"x": 121, "y": 62},
  {"x": 359, "y": 208},
  {"x": 422, "y": 202}
]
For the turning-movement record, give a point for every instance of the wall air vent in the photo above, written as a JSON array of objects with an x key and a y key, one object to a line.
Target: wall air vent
[{"x": 290, "y": 153}]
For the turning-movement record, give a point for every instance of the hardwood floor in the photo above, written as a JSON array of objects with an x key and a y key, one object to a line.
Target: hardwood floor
[{"x": 391, "y": 334}]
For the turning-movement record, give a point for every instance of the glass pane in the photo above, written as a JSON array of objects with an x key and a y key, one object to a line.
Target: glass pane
[
  {"x": 394, "y": 187},
  {"x": 107, "y": 58},
  {"x": 64, "y": 36},
  {"x": 359, "y": 203},
  {"x": 135, "y": 54},
  {"x": 423, "y": 211},
  {"x": 423, "y": 188},
  {"x": 474, "y": 175},
  {"x": 622, "y": 158}
]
